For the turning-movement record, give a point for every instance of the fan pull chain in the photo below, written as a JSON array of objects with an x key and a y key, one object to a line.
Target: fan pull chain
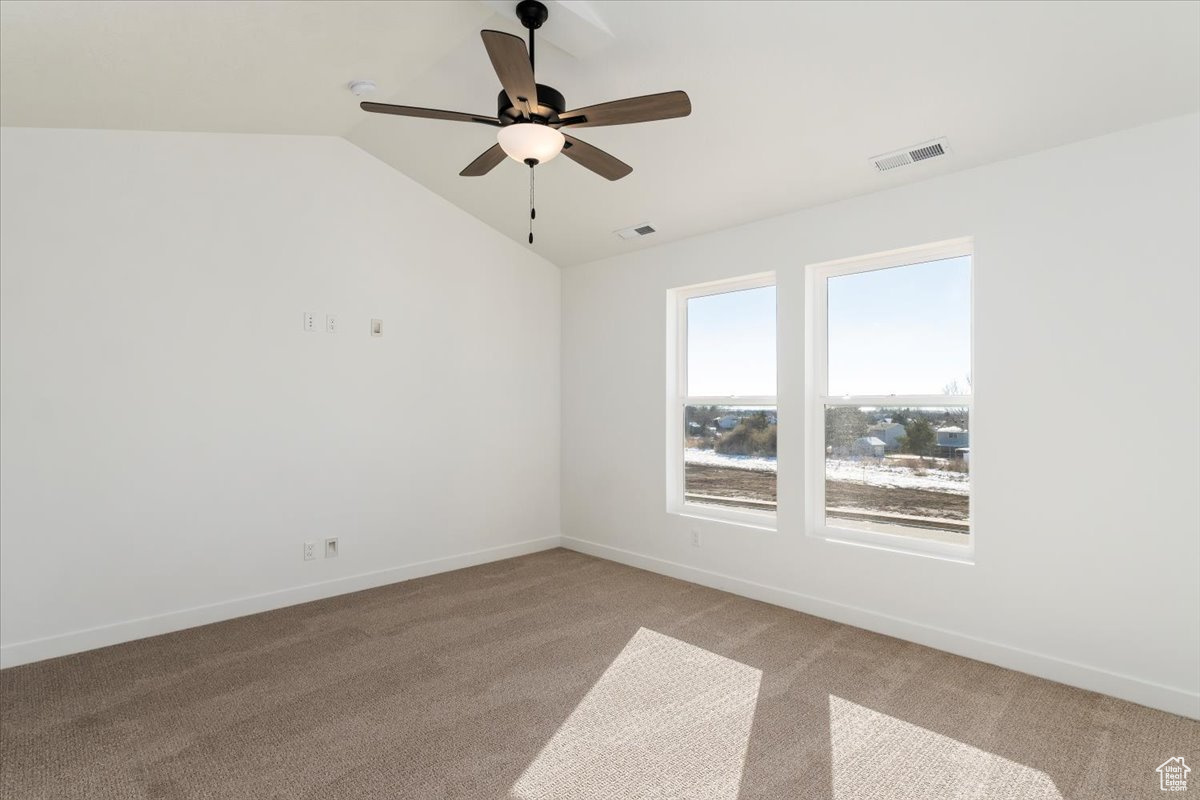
[{"x": 532, "y": 210}]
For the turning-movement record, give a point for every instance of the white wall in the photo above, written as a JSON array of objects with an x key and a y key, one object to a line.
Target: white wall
[
  {"x": 171, "y": 436},
  {"x": 1086, "y": 275}
]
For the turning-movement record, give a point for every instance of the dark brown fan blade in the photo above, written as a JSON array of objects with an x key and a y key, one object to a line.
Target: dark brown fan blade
[
  {"x": 667, "y": 105},
  {"x": 595, "y": 159},
  {"x": 484, "y": 164},
  {"x": 427, "y": 113},
  {"x": 510, "y": 59}
]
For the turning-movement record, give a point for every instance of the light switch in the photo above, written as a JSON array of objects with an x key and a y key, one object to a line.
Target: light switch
[{"x": 377, "y": 327}]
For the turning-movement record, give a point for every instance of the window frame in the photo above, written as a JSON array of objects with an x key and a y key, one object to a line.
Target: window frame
[
  {"x": 817, "y": 398},
  {"x": 678, "y": 400}
]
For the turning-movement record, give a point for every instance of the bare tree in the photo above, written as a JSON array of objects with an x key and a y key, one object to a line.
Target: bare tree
[{"x": 954, "y": 388}]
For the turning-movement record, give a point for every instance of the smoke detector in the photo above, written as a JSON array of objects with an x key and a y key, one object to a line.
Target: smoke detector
[
  {"x": 645, "y": 229},
  {"x": 935, "y": 148},
  {"x": 362, "y": 88}
]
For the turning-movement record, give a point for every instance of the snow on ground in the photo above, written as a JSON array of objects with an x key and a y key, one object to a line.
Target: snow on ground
[
  {"x": 875, "y": 473},
  {"x": 870, "y": 472},
  {"x": 711, "y": 458}
]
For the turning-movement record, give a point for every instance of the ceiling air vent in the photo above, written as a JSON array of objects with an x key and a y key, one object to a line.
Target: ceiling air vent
[
  {"x": 911, "y": 155},
  {"x": 635, "y": 232}
]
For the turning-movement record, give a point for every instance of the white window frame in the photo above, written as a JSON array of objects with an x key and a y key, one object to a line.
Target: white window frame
[
  {"x": 678, "y": 400},
  {"x": 818, "y": 397}
]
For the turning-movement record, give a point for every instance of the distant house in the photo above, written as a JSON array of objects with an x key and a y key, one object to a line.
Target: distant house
[
  {"x": 889, "y": 432},
  {"x": 950, "y": 439},
  {"x": 726, "y": 423},
  {"x": 868, "y": 446}
]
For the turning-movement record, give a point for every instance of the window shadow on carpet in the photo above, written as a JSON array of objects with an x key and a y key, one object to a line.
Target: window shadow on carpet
[{"x": 665, "y": 716}]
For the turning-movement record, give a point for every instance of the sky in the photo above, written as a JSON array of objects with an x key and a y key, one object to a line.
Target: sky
[
  {"x": 731, "y": 343},
  {"x": 904, "y": 330}
]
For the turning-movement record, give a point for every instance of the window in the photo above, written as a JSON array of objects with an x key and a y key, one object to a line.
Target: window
[
  {"x": 723, "y": 415},
  {"x": 890, "y": 395}
]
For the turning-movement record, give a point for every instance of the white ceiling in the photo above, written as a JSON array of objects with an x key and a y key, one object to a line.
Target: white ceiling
[
  {"x": 197, "y": 65},
  {"x": 790, "y": 99}
]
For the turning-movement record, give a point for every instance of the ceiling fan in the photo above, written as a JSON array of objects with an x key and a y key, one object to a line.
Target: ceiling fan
[{"x": 531, "y": 115}]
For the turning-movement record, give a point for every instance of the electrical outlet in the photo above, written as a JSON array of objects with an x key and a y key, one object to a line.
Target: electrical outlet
[
  {"x": 330, "y": 323},
  {"x": 695, "y": 537},
  {"x": 331, "y": 548},
  {"x": 310, "y": 551},
  {"x": 310, "y": 321}
]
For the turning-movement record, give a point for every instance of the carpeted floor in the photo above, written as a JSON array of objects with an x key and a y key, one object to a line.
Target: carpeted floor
[{"x": 557, "y": 675}]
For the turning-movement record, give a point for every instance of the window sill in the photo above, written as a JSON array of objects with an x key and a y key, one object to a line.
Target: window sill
[
  {"x": 756, "y": 520},
  {"x": 916, "y": 544}
]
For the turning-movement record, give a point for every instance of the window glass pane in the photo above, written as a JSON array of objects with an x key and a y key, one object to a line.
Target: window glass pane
[
  {"x": 731, "y": 344},
  {"x": 899, "y": 470},
  {"x": 904, "y": 330},
  {"x": 729, "y": 456}
]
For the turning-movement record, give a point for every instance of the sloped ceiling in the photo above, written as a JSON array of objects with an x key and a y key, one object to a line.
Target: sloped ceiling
[
  {"x": 790, "y": 99},
  {"x": 198, "y": 65}
]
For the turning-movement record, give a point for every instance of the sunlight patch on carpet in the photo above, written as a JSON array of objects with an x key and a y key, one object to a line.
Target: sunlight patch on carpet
[
  {"x": 666, "y": 719},
  {"x": 876, "y": 755}
]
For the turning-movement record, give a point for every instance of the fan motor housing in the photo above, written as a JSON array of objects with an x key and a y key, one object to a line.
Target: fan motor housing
[
  {"x": 532, "y": 13},
  {"x": 551, "y": 103}
]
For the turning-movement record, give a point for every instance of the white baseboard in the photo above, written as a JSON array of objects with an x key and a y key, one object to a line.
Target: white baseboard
[
  {"x": 77, "y": 641},
  {"x": 1125, "y": 687}
]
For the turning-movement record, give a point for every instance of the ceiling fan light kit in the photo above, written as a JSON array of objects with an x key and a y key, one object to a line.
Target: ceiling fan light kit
[
  {"x": 528, "y": 141},
  {"x": 531, "y": 115}
]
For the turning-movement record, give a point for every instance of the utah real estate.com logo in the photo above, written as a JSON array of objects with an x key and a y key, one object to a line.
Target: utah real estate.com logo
[{"x": 1173, "y": 775}]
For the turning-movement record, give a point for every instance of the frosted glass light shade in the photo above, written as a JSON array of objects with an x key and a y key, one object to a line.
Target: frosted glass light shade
[{"x": 525, "y": 140}]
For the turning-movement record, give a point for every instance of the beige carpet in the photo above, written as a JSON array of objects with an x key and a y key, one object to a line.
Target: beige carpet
[{"x": 556, "y": 676}]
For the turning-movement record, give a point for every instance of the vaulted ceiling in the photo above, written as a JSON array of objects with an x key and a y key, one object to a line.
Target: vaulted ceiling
[{"x": 790, "y": 99}]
